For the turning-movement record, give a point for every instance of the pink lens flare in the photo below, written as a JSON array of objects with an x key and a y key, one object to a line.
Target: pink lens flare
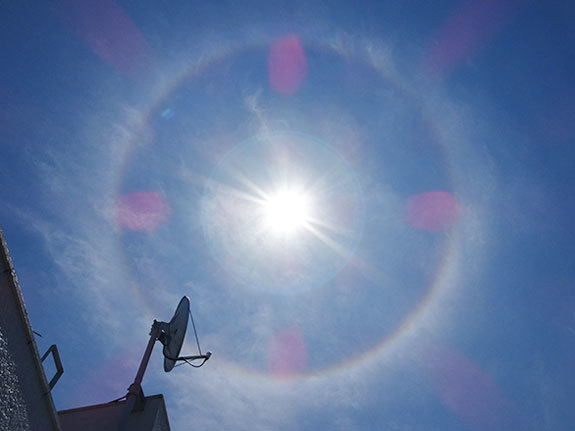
[
  {"x": 287, "y": 65},
  {"x": 287, "y": 353},
  {"x": 468, "y": 391},
  {"x": 108, "y": 31},
  {"x": 432, "y": 211},
  {"x": 466, "y": 31},
  {"x": 142, "y": 211}
]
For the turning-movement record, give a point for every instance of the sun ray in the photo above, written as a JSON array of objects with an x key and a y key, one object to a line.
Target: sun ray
[
  {"x": 337, "y": 229},
  {"x": 258, "y": 192},
  {"x": 338, "y": 248},
  {"x": 238, "y": 193}
]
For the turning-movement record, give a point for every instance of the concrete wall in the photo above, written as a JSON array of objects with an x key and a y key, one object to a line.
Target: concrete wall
[
  {"x": 13, "y": 414},
  {"x": 25, "y": 403}
]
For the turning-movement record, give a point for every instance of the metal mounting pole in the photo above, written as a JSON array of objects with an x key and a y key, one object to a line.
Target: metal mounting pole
[{"x": 135, "y": 389}]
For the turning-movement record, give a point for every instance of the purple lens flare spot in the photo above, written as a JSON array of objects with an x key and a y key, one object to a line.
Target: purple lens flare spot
[
  {"x": 466, "y": 31},
  {"x": 142, "y": 211},
  {"x": 109, "y": 32},
  {"x": 432, "y": 211},
  {"x": 469, "y": 392},
  {"x": 287, "y": 65},
  {"x": 287, "y": 353}
]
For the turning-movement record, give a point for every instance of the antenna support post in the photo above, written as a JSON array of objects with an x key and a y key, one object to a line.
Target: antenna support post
[{"x": 135, "y": 395}]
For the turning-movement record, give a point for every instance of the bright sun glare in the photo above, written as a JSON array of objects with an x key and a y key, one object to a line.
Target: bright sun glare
[{"x": 286, "y": 212}]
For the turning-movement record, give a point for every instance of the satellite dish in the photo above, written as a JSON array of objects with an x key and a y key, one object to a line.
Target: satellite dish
[
  {"x": 175, "y": 333},
  {"x": 171, "y": 335}
]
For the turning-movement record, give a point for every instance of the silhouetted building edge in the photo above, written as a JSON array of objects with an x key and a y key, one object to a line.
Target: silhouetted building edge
[{"x": 26, "y": 402}]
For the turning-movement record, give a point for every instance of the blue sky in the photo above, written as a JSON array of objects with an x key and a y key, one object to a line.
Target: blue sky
[{"x": 429, "y": 283}]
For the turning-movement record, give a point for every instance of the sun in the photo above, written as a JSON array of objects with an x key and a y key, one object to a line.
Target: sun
[{"x": 286, "y": 212}]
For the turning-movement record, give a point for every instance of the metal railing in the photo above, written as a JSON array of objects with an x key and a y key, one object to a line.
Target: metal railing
[{"x": 57, "y": 362}]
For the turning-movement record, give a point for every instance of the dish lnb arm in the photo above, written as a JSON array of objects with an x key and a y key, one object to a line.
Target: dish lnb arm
[
  {"x": 192, "y": 357},
  {"x": 189, "y": 359}
]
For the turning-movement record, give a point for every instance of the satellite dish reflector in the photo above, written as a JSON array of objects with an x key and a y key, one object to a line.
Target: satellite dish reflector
[
  {"x": 175, "y": 333},
  {"x": 171, "y": 335}
]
